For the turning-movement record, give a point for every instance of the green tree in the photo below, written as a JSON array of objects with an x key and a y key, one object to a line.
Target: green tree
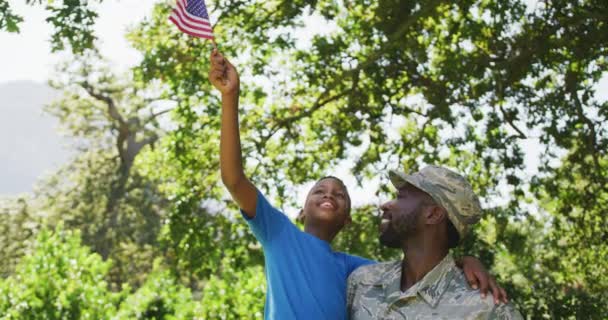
[
  {"x": 60, "y": 280},
  {"x": 101, "y": 191}
]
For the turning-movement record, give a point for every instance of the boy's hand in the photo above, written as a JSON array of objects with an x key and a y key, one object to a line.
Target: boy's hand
[
  {"x": 223, "y": 75},
  {"x": 478, "y": 277}
]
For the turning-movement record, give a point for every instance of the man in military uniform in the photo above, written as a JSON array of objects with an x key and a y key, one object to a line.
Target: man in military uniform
[{"x": 432, "y": 212}]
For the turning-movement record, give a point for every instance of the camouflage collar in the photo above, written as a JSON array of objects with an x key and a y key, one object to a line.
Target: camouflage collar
[{"x": 430, "y": 288}]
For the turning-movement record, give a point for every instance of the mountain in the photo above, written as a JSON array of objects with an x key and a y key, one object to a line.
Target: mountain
[{"x": 30, "y": 145}]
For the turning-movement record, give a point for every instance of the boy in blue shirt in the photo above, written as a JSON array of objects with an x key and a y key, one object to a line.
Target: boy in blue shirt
[{"x": 305, "y": 278}]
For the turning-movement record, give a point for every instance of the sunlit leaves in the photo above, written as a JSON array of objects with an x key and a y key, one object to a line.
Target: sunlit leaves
[
  {"x": 8, "y": 20},
  {"x": 60, "y": 280}
]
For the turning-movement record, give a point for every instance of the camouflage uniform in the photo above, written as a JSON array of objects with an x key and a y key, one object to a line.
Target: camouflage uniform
[{"x": 374, "y": 293}]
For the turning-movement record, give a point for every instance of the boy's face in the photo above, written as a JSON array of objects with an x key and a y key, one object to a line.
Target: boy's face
[{"x": 328, "y": 203}]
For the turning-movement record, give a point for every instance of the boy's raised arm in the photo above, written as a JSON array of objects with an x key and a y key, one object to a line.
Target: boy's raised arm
[{"x": 225, "y": 78}]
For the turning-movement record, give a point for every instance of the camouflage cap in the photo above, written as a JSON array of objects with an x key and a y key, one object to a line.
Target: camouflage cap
[{"x": 449, "y": 189}]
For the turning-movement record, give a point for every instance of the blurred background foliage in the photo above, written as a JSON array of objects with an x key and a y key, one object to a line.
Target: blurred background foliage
[{"x": 138, "y": 226}]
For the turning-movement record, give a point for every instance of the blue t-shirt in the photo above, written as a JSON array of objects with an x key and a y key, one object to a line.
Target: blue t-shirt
[{"x": 305, "y": 278}]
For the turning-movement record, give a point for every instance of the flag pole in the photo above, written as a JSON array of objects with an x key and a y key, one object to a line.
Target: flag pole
[{"x": 214, "y": 44}]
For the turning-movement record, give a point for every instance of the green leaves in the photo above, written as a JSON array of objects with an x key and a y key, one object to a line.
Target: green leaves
[
  {"x": 73, "y": 21},
  {"x": 160, "y": 297},
  {"x": 60, "y": 280},
  {"x": 235, "y": 294},
  {"x": 8, "y": 20}
]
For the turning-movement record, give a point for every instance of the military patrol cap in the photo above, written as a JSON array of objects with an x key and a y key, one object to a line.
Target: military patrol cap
[{"x": 449, "y": 189}]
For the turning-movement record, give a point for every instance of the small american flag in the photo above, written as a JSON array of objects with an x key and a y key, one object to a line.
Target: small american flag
[{"x": 191, "y": 17}]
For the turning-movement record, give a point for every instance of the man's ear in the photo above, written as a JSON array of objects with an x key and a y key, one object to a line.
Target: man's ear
[{"x": 435, "y": 215}]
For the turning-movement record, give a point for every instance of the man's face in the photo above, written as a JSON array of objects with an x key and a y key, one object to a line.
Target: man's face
[
  {"x": 400, "y": 217},
  {"x": 327, "y": 202}
]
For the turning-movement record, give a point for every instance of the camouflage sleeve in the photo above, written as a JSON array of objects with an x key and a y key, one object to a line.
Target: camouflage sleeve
[
  {"x": 351, "y": 289},
  {"x": 505, "y": 312}
]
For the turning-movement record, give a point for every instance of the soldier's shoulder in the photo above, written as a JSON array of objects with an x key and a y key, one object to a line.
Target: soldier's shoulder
[
  {"x": 372, "y": 272},
  {"x": 461, "y": 293}
]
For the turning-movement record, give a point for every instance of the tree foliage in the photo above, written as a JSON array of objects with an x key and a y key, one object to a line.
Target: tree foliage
[
  {"x": 60, "y": 280},
  {"x": 160, "y": 297},
  {"x": 8, "y": 20},
  {"x": 72, "y": 22},
  {"x": 21, "y": 223},
  {"x": 236, "y": 293}
]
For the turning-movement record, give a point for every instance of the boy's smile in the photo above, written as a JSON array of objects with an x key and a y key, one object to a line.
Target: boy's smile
[{"x": 328, "y": 204}]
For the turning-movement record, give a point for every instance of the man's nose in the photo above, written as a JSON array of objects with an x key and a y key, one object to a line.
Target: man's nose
[{"x": 386, "y": 206}]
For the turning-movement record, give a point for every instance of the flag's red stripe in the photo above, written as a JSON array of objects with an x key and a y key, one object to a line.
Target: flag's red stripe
[
  {"x": 189, "y": 31},
  {"x": 204, "y": 36},
  {"x": 183, "y": 20},
  {"x": 190, "y": 19}
]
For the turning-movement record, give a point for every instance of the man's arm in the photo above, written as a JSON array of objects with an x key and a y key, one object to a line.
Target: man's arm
[{"x": 225, "y": 78}]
